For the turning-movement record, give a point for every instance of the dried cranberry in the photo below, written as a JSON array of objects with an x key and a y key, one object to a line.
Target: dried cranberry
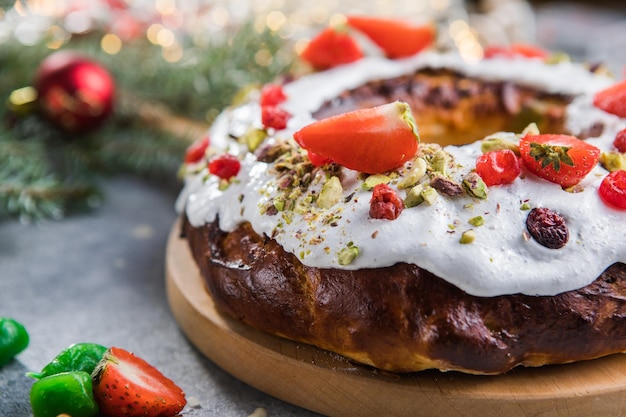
[
  {"x": 547, "y": 227},
  {"x": 225, "y": 166},
  {"x": 274, "y": 117},
  {"x": 272, "y": 94},
  {"x": 620, "y": 141},
  {"x": 195, "y": 152},
  {"x": 385, "y": 203}
]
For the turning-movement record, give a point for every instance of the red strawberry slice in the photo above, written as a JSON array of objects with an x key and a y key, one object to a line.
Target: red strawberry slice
[
  {"x": 517, "y": 49},
  {"x": 613, "y": 99},
  {"x": 398, "y": 39},
  {"x": 330, "y": 48},
  {"x": 126, "y": 385},
  {"x": 561, "y": 159},
  {"x": 372, "y": 140}
]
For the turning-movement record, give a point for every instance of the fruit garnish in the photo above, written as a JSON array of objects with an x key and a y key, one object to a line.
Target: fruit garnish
[
  {"x": 13, "y": 339},
  {"x": 385, "y": 203},
  {"x": 225, "y": 166},
  {"x": 333, "y": 46},
  {"x": 65, "y": 393},
  {"x": 498, "y": 167},
  {"x": 612, "y": 99},
  {"x": 562, "y": 159},
  {"x": 613, "y": 189},
  {"x": 195, "y": 152},
  {"x": 76, "y": 357},
  {"x": 272, "y": 95},
  {"x": 126, "y": 385},
  {"x": 516, "y": 50},
  {"x": 318, "y": 160},
  {"x": 372, "y": 140},
  {"x": 620, "y": 141},
  {"x": 397, "y": 38},
  {"x": 547, "y": 227},
  {"x": 274, "y": 117}
]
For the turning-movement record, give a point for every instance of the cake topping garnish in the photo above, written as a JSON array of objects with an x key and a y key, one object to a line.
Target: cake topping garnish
[
  {"x": 333, "y": 46},
  {"x": 385, "y": 203},
  {"x": 498, "y": 167},
  {"x": 373, "y": 140},
  {"x": 547, "y": 227},
  {"x": 196, "y": 151},
  {"x": 562, "y": 159},
  {"x": 272, "y": 95},
  {"x": 613, "y": 189},
  {"x": 613, "y": 99},
  {"x": 224, "y": 166},
  {"x": 620, "y": 141},
  {"x": 274, "y": 117},
  {"x": 397, "y": 38}
]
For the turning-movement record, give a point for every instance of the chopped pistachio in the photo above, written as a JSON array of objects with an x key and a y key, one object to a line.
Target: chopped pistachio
[
  {"x": 525, "y": 207},
  {"x": 531, "y": 129},
  {"x": 477, "y": 221},
  {"x": 468, "y": 236},
  {"x": 347, "y": 255},
  {"x": 498, "y": 144},
  {"x": 330, "y": 194},
  {"x": 558, "y": 57},
  {"x": 373, "y": 180},
  {"x": 613, "y": 161},
  {"x": 416, "y": 173},
  {"x": 430, "y": 195},
  {"x": 279, "y": 203},
  {"x": 253, "y": 137},
  {"x": 414, "y": 197},
  {"x": 475, "y": 186},
  {"x": 439, "y": 161},
  {"x": 223, "y": 184}
]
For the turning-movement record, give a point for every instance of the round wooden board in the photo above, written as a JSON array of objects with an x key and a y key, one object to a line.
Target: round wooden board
[{"x": 331, "y": 385}]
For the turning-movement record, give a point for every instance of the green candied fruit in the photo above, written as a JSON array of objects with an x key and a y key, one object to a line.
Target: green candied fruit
[
  {"x": 68, "y": 393},
  {"x": 76, "y": 357},
  {"x": 330, "y": 194},
  {"x": 468, "y": 237},
  {"x": 416, "y": 173},
  {"x": 13, "y": 339},
  {"x": 347, "y": 255},
  {"x": 414, "y": 197},
  {"x": 373, "y": 180},
  {"x": 613, "y": 161}
]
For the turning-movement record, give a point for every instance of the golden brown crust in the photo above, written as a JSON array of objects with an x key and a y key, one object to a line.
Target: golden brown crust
[{"x": 403, "y": 318}]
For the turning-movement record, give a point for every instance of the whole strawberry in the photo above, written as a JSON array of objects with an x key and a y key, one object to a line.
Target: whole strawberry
[{"x": 126, "y": 385}]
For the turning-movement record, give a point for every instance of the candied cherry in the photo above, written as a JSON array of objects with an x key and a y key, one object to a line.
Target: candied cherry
[
  {"x": 613, "y": 189},
  {"x": 195, "y": 152},
  {"x": 225, "y": 166},
  {"x": 272, "y": 95},
  {"x": 498, "y": 167},
  {"x": 620, "y": 141},
  {"x": 274, "y": 117},
  {"x": 385, "y": 203}
]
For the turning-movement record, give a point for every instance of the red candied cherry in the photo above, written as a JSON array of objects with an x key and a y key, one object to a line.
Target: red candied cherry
[
  {"x": 274, "y": 117},
  {"x": 620, "y": 141},
  {"x": 272, "y": 95},
  {"x": 385, "y": 203},
  {"x": 225, "y": 166},
  {"x": 498, "y": 167},
  {"x": 613, "y": 189},
  {"x": 195, "y": 152}
]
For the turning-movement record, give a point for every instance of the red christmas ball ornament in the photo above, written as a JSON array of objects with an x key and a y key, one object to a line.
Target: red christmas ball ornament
[{"x": 74, "y": 92}]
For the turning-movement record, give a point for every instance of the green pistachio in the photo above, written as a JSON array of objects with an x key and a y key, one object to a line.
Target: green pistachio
[
  {"x": 348, "y": 254},
  {"x": 430, "y": 195},
  {"x": 558, "y": 57},
  {"x": 498, "y": 144},
  {"x": 468, "y": 237},
  {"x": 477, "y": 221},
  {"x": 330, "y": 194},
  {"x": 416, "y": 173},
  {"x": 613, "y": 161},
  {"x": 531, "y": 129},
  {"x": 279, "y": 203},
  {"x": 414, "y": 197},
  {"x": 253, "y": 138},
  {"x": 475, "y": 186},
  {"x": 373, "y": 180},
  {"x": 440, "y": 161},
  {"x": 525, "y": 207}
]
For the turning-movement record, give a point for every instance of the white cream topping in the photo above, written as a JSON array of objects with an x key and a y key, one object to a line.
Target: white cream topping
[{"x": 501, "y": 259}]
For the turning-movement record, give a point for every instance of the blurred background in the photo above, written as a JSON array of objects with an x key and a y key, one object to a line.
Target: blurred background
[{"x": 172, "y": 66}]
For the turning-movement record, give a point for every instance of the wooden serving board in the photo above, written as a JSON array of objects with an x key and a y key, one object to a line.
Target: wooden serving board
[{"x": 331, "y": 385}]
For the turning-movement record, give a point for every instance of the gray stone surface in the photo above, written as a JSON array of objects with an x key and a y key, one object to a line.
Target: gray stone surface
[{"x": 99, "y": 277}]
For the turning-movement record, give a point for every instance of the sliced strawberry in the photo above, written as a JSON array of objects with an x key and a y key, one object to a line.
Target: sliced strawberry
[
  {"x": 613, "y": 99},
  {"x": 317, "y": 160},
  {"x": 620, "y": 141},
  {"x": 562, "y": 159},
  {"x": 613, "y": 189},
  {"x": 330, "y": 48},
  {"x": 398, "y": 39},
  {"x": 516, "y": 50},
  {"x": 372, "y": 140},
  {"x": 126, "y": 385}
]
